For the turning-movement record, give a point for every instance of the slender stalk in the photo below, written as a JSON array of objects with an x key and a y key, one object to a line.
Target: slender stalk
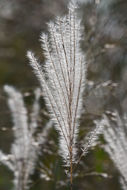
[{"x": 71, "y": 168}]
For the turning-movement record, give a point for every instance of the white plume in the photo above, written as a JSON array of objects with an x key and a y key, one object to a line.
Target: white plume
[
  {"x": 25, "y": 149},
  {"x": 63, "y": 78},
  {"x": 115, "y": 135}
]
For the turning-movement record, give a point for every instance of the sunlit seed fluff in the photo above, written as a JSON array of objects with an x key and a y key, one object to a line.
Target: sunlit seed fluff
[{"x": 63, "y": 78}]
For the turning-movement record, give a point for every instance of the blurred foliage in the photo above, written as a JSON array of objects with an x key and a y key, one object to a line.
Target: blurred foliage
[{"x": 105, "y": 46}]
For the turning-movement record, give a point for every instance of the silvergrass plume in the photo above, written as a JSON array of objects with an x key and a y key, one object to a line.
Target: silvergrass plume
[
  {"x": 63, "y": 79},
  {"x": 115, "y": 135},
  {"x": 25, "y": 149}
]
